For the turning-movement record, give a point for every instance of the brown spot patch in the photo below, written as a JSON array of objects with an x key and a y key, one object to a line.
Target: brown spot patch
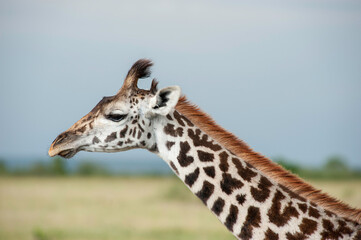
[
  {"x": 245, "y": 172},
  {"x": 223, "y": 156},
  {"x": 169, "y": 144},
  {"x": 180, "y": 118},
  {"x": 183, "y": 159},
  {"x": 271, "y": 235},
  {"x": 204, "y": 156},
  {"x": 170, "y": 130},
  {"x": 302, "y": 207},
  {"x": 139, "y": 134},
  {"x": 192, "y": 177},
  {"x": 232, "y": 217},
  {"x": 206, "y": 191},
  {"x": 241, "y": 198},
  {"x": 210, "y": 171},
  {"x": 111, "y": 137},
  {"x": 329, "y": 213},
  {"x": 330, "y": 232},
  {"x": 169, "y": 117},
  {"x": 313, "y": 212},
  {"x": 261, "y": 193},
  {"x": 95, "y": 140},
  {"x": 307, "y": 228},
  {"x": 140, "y": 127},
  {"x": 198, "y": 141},
  {"x": 218, "y": 206},
  {"x": 149, "y": 135},
  {"x": 134, "y": 131},
  {"x": 277, "y": 216},
  {"x": 253, "y": 220},
  {"x": 229, "y": 184}
]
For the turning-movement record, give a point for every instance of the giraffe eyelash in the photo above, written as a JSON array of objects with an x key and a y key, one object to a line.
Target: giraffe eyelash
[{"x": 116, "y": 117}]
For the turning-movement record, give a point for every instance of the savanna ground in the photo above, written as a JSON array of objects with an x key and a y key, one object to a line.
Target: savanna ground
[{"x": 81, "y": 208}]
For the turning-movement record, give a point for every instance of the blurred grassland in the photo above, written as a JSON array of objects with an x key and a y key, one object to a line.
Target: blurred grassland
[{"x": 134, "y": 208}]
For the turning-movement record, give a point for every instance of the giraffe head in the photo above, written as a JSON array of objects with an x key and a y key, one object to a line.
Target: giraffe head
[{"x": 120, "y": 122}]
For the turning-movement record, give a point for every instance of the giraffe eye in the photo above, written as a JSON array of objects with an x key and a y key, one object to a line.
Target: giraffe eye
[{"x": 115, "y": 117}]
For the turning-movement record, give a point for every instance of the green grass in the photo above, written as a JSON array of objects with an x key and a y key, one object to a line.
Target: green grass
[{"x": 48, "y": 208}]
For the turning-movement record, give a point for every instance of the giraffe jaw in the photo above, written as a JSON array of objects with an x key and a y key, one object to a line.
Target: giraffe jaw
[
  {"x": 67, "y": 153},
  {"x": 70, "y": 152}
]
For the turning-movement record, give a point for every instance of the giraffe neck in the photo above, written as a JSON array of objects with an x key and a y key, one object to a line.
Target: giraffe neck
[{"x": 250, "y": 204}]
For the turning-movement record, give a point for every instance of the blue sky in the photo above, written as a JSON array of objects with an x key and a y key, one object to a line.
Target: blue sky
[{"x": 285, "y": 76}]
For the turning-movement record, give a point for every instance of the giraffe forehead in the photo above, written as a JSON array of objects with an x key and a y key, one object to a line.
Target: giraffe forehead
[
  {"x": 126, "y": 103},
  {"x": 139, "y": 96},
  {"x": 123, "y": 100},
  {"x": 102, "y": 104},
  {"x": 108, "y": 104},
  {"x": 102, "y": 107}
]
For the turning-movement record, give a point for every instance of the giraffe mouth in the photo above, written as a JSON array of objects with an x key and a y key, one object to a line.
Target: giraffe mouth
[{"x": 68, "y": 153}]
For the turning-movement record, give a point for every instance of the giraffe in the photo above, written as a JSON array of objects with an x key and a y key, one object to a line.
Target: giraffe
[{"x": 252, "y": 196}]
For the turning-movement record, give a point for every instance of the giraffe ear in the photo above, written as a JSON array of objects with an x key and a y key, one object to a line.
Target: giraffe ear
[{"x": 164, "y": 100}]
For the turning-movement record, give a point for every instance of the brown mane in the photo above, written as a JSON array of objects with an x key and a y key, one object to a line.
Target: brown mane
[{"x": 271, "y": 169}]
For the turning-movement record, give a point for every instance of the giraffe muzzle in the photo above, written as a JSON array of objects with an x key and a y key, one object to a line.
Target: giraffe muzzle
[
  {"x": 64, "y": 145},
  {"x": 67, "y": 153}
]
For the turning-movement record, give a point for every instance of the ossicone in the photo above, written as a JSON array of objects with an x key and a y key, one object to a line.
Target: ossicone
[{"x": 140, "y": 69}]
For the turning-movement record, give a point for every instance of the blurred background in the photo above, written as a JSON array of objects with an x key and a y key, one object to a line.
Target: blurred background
[{"x": 285, "y": 76}]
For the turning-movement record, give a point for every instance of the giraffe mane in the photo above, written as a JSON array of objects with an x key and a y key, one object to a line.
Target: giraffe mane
[{"x": 264, "y": 164}]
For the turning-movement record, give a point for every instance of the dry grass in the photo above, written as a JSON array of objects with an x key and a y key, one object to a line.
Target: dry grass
[{"x": 116, "y": 208}]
